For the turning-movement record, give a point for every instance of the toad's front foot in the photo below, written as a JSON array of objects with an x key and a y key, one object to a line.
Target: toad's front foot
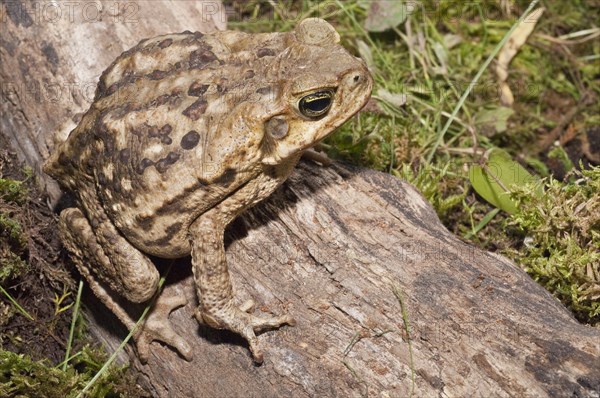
[
  {"x": 240, "y": 321},
  {"x": 158, "y": 328}
]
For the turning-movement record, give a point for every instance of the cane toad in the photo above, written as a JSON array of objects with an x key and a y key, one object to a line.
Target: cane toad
[{"x": 186, "y": 131}]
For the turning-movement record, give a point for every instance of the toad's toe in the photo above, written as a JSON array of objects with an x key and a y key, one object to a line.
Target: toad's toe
[{"x": 158, "y": 328}]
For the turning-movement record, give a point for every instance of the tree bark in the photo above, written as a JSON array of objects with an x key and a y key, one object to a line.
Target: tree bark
[{"x": 388, "y": 302}]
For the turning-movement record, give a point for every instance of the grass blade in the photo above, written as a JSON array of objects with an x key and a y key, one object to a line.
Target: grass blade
[
  {"x": 73, "y": 322},
  {"x": 17, "y": 306}
]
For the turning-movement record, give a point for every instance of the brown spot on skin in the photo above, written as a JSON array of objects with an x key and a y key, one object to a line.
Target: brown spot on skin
[
  {"x": 166, "y": 129},
  {"x": 193, "y": 37},
  {"x": 200, "y": 58},
  {"x": 164, "y": 134},
  {"x": 111, "y": 90},
  {"x": 9, "y": 46},
  {"x": 197, "y": 89},
  {"x": 158, "y": 101},
  {"x": 113, "y": 239},
  {"x": 145, "y": 163},
  {"x": 124, "y": 155},
  {"x": 227, "y": 177},
  {"x": 145, "y": 222},
  {"x": 170, "y": 232},
  {"x": 171, "y": 98},
  {"x": 128, "y": 78},
  {"x": 145, "y": 129},
  {"x": 157, "y": 74},
  {"x": 165, "y": 43},
  {"x": 118, "y": 112},
  {"x": 65, "y": 160},
  {"x": 190, "y": 140},
  {"x": 102, "y": 133},
  {"x": 163, "y": 164},
  {"x": 154, "y": 132},
  {"x": 196, "y": 110},
  {"x": 264, "y": 90},
  {"x": 173, "y": 204},
  {"x": 249, "y": 74},
  {"x": 132, "y": 50},
  {"x": 116, "y": 186},
  {"x": 265, "y": 52},
  {"x": 173, "y": 229}
]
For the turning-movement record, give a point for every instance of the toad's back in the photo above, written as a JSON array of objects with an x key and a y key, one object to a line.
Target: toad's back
[
  {"x": 155, "y": 144},
  {"x": 180, "y": 122}
]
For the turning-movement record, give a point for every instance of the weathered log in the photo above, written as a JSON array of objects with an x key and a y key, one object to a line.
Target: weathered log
[{"x": 382, "y": 292}]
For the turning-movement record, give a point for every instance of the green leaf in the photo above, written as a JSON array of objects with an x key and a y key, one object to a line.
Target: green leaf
[{"x": 494, "y": 180}]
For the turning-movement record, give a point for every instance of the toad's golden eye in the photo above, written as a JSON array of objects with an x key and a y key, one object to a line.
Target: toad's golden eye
[{"x": 316, "y": 105}]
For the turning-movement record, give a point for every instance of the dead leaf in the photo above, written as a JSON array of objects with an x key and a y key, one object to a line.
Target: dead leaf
[
  {"x": 366, "y": 54},
  {"x": 452, "y": 40},
  {"x": 386, "y": 14},
  {"x": 510, "y": 49},
  {"x": 394, "y": 99}
]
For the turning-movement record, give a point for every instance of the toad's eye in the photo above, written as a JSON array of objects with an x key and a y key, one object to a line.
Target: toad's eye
[{"x": 316, "y": 105}]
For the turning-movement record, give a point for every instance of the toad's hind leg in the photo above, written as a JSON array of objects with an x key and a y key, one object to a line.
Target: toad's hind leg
[{"x": 113, "y": 267}]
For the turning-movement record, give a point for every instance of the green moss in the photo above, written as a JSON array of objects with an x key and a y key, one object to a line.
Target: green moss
[
  {"x": 13, "y": 243},
  {"x": 11, "y": 266},
  {"x": 12, "y": 231},
  {"x": 562, "y": 230},
  {"x": 13, "y": 191},
  {"x": 22, "y": 377}
]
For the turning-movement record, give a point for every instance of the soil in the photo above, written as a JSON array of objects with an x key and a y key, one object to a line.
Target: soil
[{"x": 45, "y": 276}]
